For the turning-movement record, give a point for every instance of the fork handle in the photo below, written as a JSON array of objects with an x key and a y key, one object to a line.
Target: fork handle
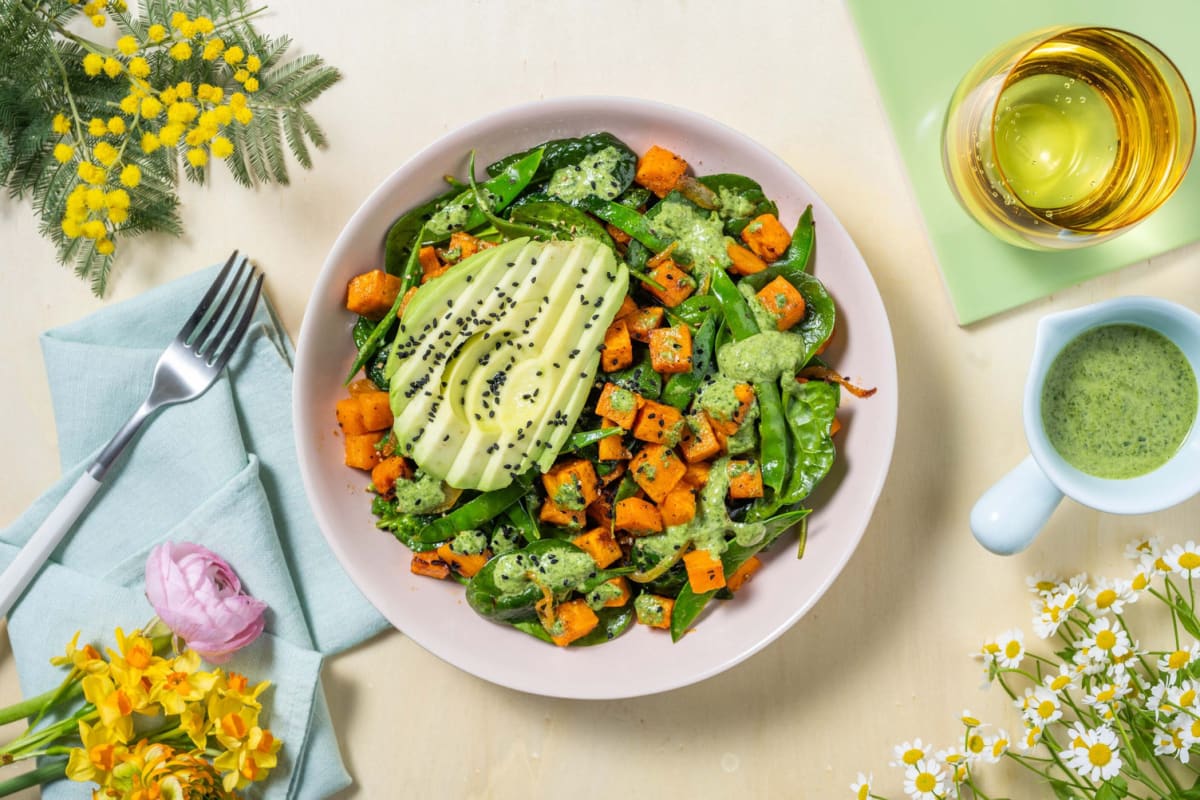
[{"x": 34, "y": 553}]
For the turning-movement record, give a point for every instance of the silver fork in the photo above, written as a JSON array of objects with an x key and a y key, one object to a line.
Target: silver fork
[{"x": 185, "y": 370}]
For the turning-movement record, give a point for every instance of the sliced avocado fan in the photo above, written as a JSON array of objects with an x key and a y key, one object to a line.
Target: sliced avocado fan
[{"x": 493, "y": 360}]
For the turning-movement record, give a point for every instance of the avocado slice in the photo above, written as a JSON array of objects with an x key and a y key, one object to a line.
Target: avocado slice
[{"x": 493, "y": 360}]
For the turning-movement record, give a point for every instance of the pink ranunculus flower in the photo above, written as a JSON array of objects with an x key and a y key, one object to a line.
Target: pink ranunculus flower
[{"x": 199, "y": 597}]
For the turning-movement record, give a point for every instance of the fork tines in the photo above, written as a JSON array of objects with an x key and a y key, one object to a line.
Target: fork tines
[{"x": 227, "y": 308}]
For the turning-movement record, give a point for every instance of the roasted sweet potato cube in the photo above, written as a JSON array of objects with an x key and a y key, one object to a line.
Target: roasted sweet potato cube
[
  {"x": 389, "y": 470},
  {"x": 600, "y": 544},
  {"x": 572, "y": 485},
  {"x": 679, "y": 506},
  {"x": 783, "y": 302},
  {"x": 745, "y": 480},
  {"x": 573, "y": 620},
  {"x": 361, "y": 452},
  {"x": 656, "y": 613},
  {"x": 835, "y": 426},
  {"x": 611, "y": 448},
  {"x": 657, "y": 470},
  {"x": 600, "y": 512},
  {"x": 376, "y": 410},
  {"x": 621, "y": 599},
  {"x": 742, "y": 575},
  {"x": 466, "y": 564},
  {"x": 767, "y": 237},
  {"x": 659, "y": 424},
  {"x": 627, "y": 307},
  {"x": 613, "y": 474},
  {"x": 671, "y": 349},
  {"x": 554, "y": 515},
  {"x": 745, "y": 395},
  {"x": 349, "y": 416},
  {"x": 427, "y": 257},
  {"x": 744, "y": 261},
  {"x": 617, "y": 352},
  {"x": 638, "y": 517},
  {"x": 619, "y": 405},
  {"x": 371, "y": 294},
  {"x": 697, "y": 474},
  {"x": 699, "y": 442},
  {"x": 659, "y": 170},
  {"x": 466, "y": 244},
  {"x": 676, "y": 284},
  {"x": 642, "y": 321},
  {"x": 361, "y": 385},
  {"x": 429, "y": 565},
  {"x": 705, "y": 571}
]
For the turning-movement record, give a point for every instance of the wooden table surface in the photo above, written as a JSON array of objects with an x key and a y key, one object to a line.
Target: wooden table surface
[{"x": 885, "y": 655}]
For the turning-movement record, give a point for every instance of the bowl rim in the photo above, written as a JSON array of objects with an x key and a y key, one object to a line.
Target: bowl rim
[{"x": 566, "y": 107}]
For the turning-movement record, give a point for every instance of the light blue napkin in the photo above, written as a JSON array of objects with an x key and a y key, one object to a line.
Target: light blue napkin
[{"x": 220, "y": 471}]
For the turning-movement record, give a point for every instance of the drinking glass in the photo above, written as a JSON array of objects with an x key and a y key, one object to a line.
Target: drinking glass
[{"x": 1068, "y": 136}]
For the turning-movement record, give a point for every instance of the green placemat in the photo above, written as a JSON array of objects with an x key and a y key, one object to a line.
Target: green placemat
[{"x": 919, "y": 49}]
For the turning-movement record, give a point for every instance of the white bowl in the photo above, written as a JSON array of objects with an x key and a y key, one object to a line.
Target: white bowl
[{"x": 643, "y": 661}]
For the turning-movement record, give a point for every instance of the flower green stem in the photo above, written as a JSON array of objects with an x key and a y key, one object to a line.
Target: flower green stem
[
  {"x": 49, "y": 771},
  {"x": 37, "y": 704}
]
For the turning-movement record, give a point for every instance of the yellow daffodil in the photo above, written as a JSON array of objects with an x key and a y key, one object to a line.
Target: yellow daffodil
[
  {"x": 114, "y": 705},
  {"x": 94, "y": 761},
  {"x": 86, "y": 659},
  {"x": 184, "y": 684}
]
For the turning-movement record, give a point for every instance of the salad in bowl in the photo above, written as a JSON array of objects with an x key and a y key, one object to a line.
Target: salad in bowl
[{"x": 589, "y": 386}]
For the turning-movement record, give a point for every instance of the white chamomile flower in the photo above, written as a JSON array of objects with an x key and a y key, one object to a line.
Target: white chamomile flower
[
  {"x": 969, "y": 719},
  {"x": 1189, "y": 728},
  {"x": 1104, "y": 643},
  {"x": 994, "y": 747},
  {"x": 1097, "y": 756},
  {"x": 1169, "y": 742},
  {"x": 1032, "y": 737},
  {"x": 1184, "y": 559},
  {"x": 1183, "y": 697},
  {"x": 1110, "y": 596},
  {"x": 924, "y": 780},
  {"x": 1040, "y": 706},
  {"x": 957, "y": 761},
  {"x": 1158, "y": 700},
  {"x": 1106, "y": 697},
  {"x": 1179, "y": 660},
  {"x": 1051, "y": 612},
  {"x": 1064, "y": 680},
  {"x": 1009, "y": 649},
  {"x": 1144, "y": 546},
  {"x": 1043, "y": 584},
  {"x": 909, "y": 753},
  {"x": 973, "y": 745},
  {"x": 1075, "y": 585},
  {"x": 862, "y": 787}
]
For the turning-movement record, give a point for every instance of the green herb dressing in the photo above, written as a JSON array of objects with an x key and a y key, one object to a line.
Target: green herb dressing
[
  {"x": 593, "y": 175},
  {"x": 1118, "y": 401},
  {"x": 734, "y": 204},
  {"x": 417, "y": 496},
  {"x": 700, "y": 234},
  {"x": 762, "y": 357}
]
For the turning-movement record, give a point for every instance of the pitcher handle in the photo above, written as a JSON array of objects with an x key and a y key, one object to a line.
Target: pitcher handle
[{"x": 1011, "y": 513}]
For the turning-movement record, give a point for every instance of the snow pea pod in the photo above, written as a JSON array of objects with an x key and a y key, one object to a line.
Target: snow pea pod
[
  {"x": 513, "y": 230},
  {"x": 520, "y": 518},
  {"x": 639, "y": 379},
  {"x": 774, "y": 445},
  {"x": 799, "y": 252},
  {"x": 374, "y": 365},
  {"x": 474, "y": 513},
  {"x": 689, "y": 604},
  {"x": 696, "y": 309},
  {"x": 497, "y": 193},
  {"x": 562, "y": 219},
  {"x": 738, "y": 317},
  {"x": 491, "y": 600},
  {"x": 625, "y": 218}
]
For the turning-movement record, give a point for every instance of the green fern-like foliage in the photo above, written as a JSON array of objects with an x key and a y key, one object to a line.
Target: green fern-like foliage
[{"x": 218, "y": 90}]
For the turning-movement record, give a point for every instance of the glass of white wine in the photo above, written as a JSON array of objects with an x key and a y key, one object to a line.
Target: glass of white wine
[{"x": 1068, "y": 136}]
